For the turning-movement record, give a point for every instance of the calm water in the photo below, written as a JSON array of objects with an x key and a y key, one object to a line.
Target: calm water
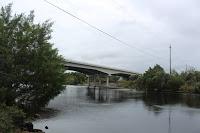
[{"x": 110, "y": 111}]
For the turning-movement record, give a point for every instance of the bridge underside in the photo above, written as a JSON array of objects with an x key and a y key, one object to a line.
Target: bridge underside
[
  {"x": 86, "y": 71},
  {"x": 94, "y": 72}
]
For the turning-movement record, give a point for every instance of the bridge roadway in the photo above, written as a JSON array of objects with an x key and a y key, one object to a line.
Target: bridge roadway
[{"x": 91, "y": 69}]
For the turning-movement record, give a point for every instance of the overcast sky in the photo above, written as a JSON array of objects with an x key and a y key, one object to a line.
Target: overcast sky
[{"x": 149, "y": 26}]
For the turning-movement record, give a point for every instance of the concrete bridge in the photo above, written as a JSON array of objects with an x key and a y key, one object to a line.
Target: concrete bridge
[{"x": 91, "y": 69}]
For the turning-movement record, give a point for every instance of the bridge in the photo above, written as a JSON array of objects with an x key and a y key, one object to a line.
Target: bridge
[{"x": 91, "y": 69}]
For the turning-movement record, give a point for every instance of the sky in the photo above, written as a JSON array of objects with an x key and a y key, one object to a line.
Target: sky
[{"x": 149, "y": 27}]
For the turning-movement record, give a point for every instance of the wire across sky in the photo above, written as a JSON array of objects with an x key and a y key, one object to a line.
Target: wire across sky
[{"x": 105, "y": 33}]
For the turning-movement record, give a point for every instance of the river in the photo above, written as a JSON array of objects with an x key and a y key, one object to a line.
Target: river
[{"x": 80, "y": 110}]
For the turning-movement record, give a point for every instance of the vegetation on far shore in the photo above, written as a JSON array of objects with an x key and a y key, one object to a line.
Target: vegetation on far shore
[
  {"x": 157, "y": 80},
  {"x": 75, "y": 78},
  {"x": 153, "y": 80}
]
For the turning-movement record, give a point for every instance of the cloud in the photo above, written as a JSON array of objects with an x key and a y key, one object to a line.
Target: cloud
[{"x": 148, "y": 26}]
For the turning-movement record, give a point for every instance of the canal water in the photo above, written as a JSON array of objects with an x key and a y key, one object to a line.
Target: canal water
[{"x": 82, "y": 110}]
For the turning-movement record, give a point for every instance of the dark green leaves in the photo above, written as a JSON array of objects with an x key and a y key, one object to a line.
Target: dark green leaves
[{"x": 32, "y": 71}]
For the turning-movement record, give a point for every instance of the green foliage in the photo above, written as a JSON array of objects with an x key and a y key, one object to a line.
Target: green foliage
[
  {"x": 10, "y": 118},
  {"x": 192, "y": 81},
  {"x": 75, "y": 78},
  {"x": 127, "y": 84},
  {"x": 112, "y": 78},
  {"x": 153, "y": 79},
  {"x": 187, "y": 88},
  {"x": 197, "y": 87},
  {"x": 174, "y": 82},
  {"x": 191, "y": 76},
  {"x": 156, "y": 79},
  {"x": 134, "y": 77},
  {"x": 31, "y": 71}
]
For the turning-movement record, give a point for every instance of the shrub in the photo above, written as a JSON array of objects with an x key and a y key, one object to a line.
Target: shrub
[
  {"x": 174, "y": 83},
  {"x": 153, "y": 79},
  {"x": 11, "y": 118},
  {"x": 197, "y": 87},
  {"x": 187, "y": 88},
  {"x": 127, "y": 84}
]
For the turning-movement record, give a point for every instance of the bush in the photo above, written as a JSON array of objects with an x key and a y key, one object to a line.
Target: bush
[
  {"x": 75, "y": 78},
  {"x": 174, "y": 83},
  {"x": 192, "y": 81},
  {"x": 197, "y": 87},
  {"x": 11, "y": 118},
  {"x": 191, "y": 76},
  {"x": 127, "y": 84},
  {"x": 187, "y": 88},
  {"x": 153, "y": 79}
]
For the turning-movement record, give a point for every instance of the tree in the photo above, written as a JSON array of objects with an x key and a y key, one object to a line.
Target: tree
[
  {"x": 191, "y": 76},
  {"x": 34, "y": 70},
  {"x": 174, "y": 82},
  {"x": 10, "y": 118},
  {"x": 153, "y": 79},
  {"x": 75, "y": 78},
  {"x": 192, "y": 81}
]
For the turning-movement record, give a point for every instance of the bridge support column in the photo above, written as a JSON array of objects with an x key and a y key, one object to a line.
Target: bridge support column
[
  {"x": 94, "y": 77},
  {"x": 88, "y": 80},
  {"x": 99, "y": 77},
  {"x": 107, "y": 81}
]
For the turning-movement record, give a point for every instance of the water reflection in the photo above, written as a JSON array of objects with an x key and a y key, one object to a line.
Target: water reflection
[
  {"x": 169, "y": 101},
  {"x": 104, "y": 95},
  {"x": 97, "y": 110},
  {"x": 153, "y": 101}
]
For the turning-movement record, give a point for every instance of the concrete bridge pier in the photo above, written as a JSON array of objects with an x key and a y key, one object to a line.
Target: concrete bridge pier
[
  {"x": 107, "y": 80},
  {"x": 99, "y": 78},
  {"x": 88, "y": 80},
  {"x": 95, "y": 80}
]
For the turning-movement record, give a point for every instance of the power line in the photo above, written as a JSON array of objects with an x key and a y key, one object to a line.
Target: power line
[{"x": 100, "y": 30}]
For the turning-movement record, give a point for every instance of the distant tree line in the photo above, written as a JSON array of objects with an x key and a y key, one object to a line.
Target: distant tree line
[
  {"x": 75, "y": 78},
  {"x": 156, "y": 79}
]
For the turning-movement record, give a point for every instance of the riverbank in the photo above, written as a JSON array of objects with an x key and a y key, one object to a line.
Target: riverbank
[{"x": 34, "y": 131}]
